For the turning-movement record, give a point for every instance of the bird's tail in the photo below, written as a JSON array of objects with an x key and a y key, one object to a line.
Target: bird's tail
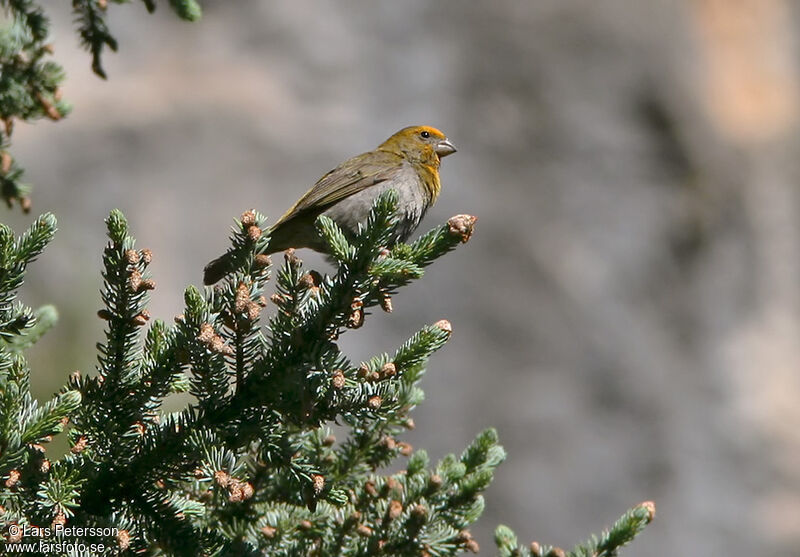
[
  {"x": 290, "y": 234},
  {"x": 227, "y": 263},
  {"x": 218, "y": 268}
]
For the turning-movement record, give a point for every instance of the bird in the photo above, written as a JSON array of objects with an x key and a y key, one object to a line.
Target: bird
[{"x": 407, "y": 162}]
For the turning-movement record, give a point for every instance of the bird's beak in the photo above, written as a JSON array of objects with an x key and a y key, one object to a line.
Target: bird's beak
[{"x": 444, "y": 148}]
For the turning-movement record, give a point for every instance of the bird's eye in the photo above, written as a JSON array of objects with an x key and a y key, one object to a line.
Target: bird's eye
[{"x": 426, "y": 135}]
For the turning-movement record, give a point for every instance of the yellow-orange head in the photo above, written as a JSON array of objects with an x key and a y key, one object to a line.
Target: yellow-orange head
[{"x": 423, "y": 147}]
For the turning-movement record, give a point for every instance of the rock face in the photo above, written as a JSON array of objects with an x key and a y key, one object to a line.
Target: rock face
[{"x": 627, "y": 314}]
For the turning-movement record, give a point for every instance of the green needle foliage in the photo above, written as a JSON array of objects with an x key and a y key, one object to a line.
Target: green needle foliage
[
  {"x": 606, "y": 545},
  {"x": 249, "y": 466},
  {"x": 30, "y": 80}
]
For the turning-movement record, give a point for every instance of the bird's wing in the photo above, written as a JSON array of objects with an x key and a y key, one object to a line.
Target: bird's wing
[{"x": 350, "y": 177}]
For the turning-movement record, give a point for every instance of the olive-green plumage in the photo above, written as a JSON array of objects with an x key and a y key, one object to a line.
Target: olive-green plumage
[{"x": 407, "y": 162}]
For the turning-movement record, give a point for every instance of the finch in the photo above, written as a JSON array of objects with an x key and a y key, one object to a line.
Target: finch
[{"x": 407, "y": 162}]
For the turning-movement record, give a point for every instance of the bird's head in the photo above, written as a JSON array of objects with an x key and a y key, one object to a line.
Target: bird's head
[{"x": 419, "y": 143}]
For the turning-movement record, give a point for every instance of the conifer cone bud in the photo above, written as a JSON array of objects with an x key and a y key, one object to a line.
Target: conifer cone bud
[
  {"x": 58, "y": 520},
  {"x": 269, "y": 531},
  {"x": 462, "y": 226},
  {"x": 104, "y": 314},
  {"x": 147, "y": 284},
  {"x": 388, "y": 370},
  {"x": 209, "y": 337},
  {"x": 134, "y": 281},
  {"x": 25, "y": 204},
  {"x": 80, "y": 445},
  {"x": 44, "y": 467},
  {"x": 254, "y": 233},
  {"x": 374, "y": 402},
  {"x": 8, "y": 123},
  {"x": 317, "y": 483},
  {"x": 556, "y": 552},
  {"x": 248, "y": 218},
  {"x": 244, "y": 491},
  {"x": 363, "y": 530},
  {"x": 306, "y": 281},
  {"x": 419, "y": 512},
  {"x": 536, "y": 549},
  {"x": 387, "y": 442},
  {"x": 13, "y": 478},
  {"x": 651, "y": 510},
  {"x": 206, "y": 333},
  {"x": 386, "y": 302},
  {"x": 356, "y": 318},
  {"x": 123, "y": 539},
  {"x": 222, "y": 478},
  {"x": 147, "y": 256},
  {"x": 141, "y": 319},
  {"x": 435, "y": 482},
  {"x": 337, "y": 379},
  {"x": 444, "y": 325},
  {"x": 410, "y": 423},
  {"x": 394, "y": 510},
  {"x": 102, "y": 4},
  {"x": 132, "y": 256},
  {"x": 363, "y": 371},
  {"x": 241, "y": 298},
  {"x": 405, "y": 448},
  {"x": 5, "y": 162},
  {"x": 393, "y": 486},
  {"x": 369, "y": 487},
  {"x": 305, "y": 525},
  {"x": 472, "y": 546},
  {"x": 262, "y": 260},
  {"x": 253, "y": 311},
  {"x": 374, "y": 376},
  {"x": 292, "y": 259},
  {"x": 218, "y": 346}
]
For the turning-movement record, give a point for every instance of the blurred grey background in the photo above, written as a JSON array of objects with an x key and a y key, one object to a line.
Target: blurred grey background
[{"x": 627, "y": 314}]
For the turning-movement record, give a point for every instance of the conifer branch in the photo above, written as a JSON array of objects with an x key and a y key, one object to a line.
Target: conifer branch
[
  {"x": 30, "y": 80},
  {"x": 249, "y": 466},
  {"x": 608, "y": 544}
]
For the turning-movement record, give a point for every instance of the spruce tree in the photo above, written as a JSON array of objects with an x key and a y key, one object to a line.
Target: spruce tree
[{"x": 249, "y": 466}]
